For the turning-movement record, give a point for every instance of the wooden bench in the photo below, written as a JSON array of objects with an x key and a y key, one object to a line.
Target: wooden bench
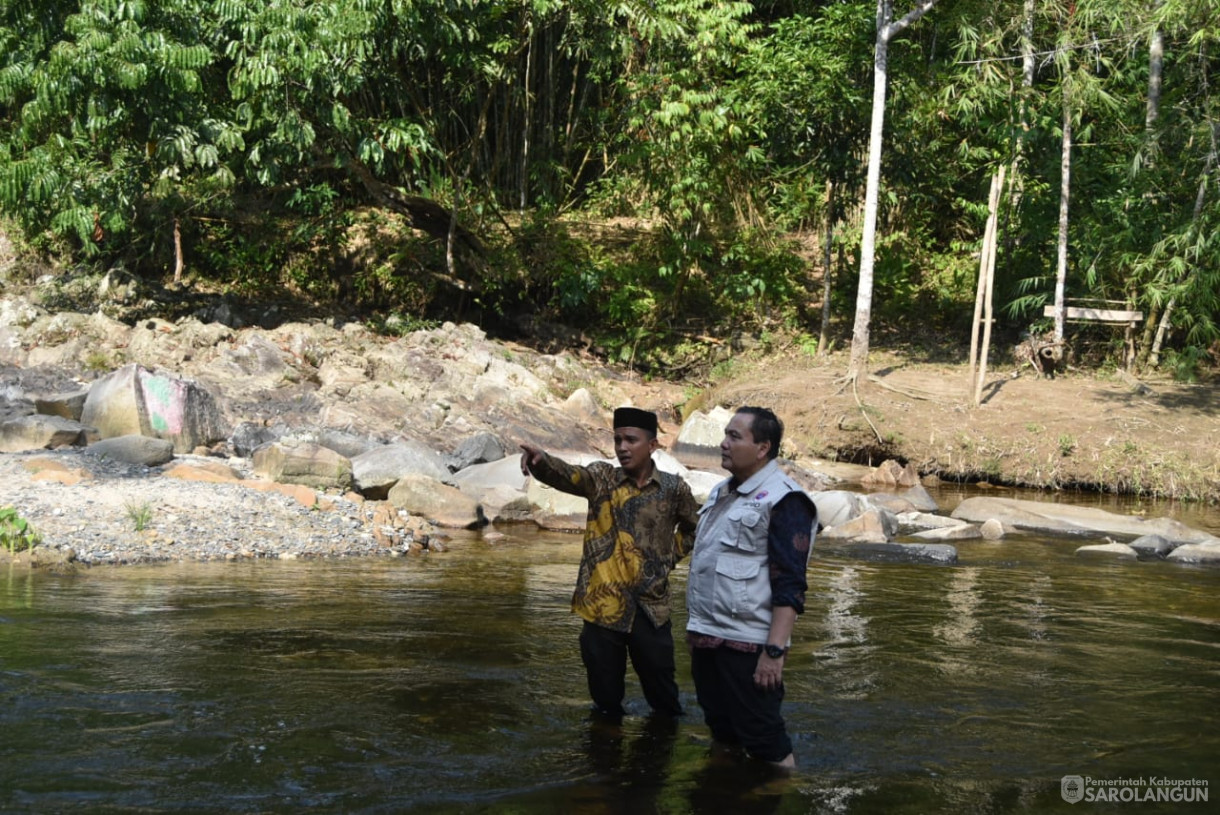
[
  {"x": 1096, "y": 311},
  {"x": 1090, "y": 314}
]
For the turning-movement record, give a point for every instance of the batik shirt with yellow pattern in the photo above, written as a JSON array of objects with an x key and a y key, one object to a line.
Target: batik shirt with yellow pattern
[{"x": 633, "y": 538}]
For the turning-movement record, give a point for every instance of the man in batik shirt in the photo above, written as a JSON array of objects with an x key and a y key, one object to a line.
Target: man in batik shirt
[{"x": 640, "y": 524}]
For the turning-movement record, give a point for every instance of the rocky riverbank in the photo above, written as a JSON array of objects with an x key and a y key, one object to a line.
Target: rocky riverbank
[{"x": 324, "y": 439}]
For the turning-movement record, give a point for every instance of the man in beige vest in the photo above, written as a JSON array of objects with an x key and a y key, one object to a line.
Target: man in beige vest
[{"x": 747, "y": 585}]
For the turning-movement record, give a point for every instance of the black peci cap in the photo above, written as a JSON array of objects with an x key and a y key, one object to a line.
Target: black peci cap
[{"x": 634, "y": 417}]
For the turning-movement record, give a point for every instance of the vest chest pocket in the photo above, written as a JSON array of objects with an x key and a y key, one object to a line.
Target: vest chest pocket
[
  {"x": 734, "y": 577},
  {"x": 744, "y": 531}
]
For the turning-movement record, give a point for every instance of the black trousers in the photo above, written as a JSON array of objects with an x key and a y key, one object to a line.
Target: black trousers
[
  {"x": 651, "y": 649},
  {"x": 737, "y": 711}
]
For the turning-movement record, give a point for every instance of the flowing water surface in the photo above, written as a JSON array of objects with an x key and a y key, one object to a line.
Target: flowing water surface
[{"x": 451, "y": 683}]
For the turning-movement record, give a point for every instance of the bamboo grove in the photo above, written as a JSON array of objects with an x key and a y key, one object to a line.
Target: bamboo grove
[{"x": 651, "y": 171}]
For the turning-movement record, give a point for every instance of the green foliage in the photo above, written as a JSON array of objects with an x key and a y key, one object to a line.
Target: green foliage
[
  {"x": 325, "y": 149},
  {"x": 1067, "y": 444},
  {"x": 16, "y": 534},
  {"x": 140, "y": 514}
]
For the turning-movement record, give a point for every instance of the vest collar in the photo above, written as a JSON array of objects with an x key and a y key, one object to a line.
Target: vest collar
[{"x": 755, "y": 481}]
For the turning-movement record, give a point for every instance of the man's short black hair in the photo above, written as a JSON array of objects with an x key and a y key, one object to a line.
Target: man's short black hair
[{"x": 765, "y": 426}]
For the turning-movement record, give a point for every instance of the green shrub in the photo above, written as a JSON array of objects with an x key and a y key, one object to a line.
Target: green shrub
[{"x": 16, "y": 534}]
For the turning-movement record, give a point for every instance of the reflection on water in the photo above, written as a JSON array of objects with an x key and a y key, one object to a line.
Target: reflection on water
[{"x": 453, "y": 684}]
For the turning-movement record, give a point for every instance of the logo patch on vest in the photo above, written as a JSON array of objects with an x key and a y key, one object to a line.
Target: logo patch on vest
[{"x": 760, "y": 496}]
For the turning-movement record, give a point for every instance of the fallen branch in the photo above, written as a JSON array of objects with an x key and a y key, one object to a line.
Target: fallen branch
[
  {"x": 874, "y": 378},
  {"x": 864, "y": 412}
]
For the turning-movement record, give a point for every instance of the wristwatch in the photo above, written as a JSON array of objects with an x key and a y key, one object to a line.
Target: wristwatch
[{"x": 775, "y": 651}]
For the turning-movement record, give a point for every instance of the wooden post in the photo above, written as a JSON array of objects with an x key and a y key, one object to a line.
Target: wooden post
[
  {"x": 979, "y": 288},
  {"x": 986, "y": 277}
]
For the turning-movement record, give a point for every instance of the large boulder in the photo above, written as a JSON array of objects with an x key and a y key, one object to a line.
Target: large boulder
[
  {"x": 38, "y": 432},
  {"x": 1151, "y": 547},
  {"x": 1066, "y": 519},
  {"x": 477, "y": 449},
  {"x": 1207, "y": 553},
  {"x": 134, "y": 450},
  {"x": 375, "y": 472},
  {"x": 558, "y": 510},
  {"x": 136, "y": 401},
  {"x": 837, "y": 507},
  {"x": 699, "y": 439},
  {"x": 305, "y": 463},
  {"x": 440, "y": 503},
  {"x": 498, "y": 486},
  {"x": 877, "y": 525}
]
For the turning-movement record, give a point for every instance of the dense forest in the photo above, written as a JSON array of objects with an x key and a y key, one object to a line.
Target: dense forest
[{"x": 655, "y": 174}]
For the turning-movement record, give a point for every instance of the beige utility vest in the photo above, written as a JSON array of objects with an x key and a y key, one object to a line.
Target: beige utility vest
[{"x": 728, "y": 593}]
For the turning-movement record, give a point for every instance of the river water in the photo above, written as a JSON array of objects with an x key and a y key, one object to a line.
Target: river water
[{"x": 451, "y": 683}]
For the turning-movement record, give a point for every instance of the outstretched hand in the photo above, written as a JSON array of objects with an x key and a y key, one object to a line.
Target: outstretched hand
[{"x": 530, "y": 456}]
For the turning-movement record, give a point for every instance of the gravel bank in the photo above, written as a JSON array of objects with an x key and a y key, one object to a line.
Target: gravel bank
[{"x": 120, "y": 513}]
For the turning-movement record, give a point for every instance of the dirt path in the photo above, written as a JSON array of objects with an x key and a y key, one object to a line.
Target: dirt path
[{"x": 1158, "y": 437}]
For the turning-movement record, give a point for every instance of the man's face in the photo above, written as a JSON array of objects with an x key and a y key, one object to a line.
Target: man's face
[
  {"x": 633, "y": 446},
  {"x": 739, "y": 453}
]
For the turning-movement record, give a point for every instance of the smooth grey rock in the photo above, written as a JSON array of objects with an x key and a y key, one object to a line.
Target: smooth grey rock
[
  {"x": 992, "y": 529},
  {"x": 699, "y": 439},
  {"x": 249, "y": 436},
  {"x": 296, "y": 462},
  {"x": 960, "y": 532},
  {"x": 1207, "y": 553},
  {"x": 1108, "y": 550},
  {"x": 377, "y": 470},
  {"x": 344, "y": 442},
  {"x": 477, "y": 449},
  {"x": 134, "y": 449},
  {"x": 498, "y": 486},
  {"x": 439, "y": 503},
  {"x": 924, "y": 520},
  {"x": 1066, "y": 519},
  {"x": 39, "y": 432},
  {"x": 554, "y": 509},
  {"x": 836, "y": 507},
  {"x": 1151, "y": 546},
  {"x": 873, "y": 526}
]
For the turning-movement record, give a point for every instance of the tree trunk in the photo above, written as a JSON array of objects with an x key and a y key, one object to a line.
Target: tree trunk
[
  {"x": 828, "y": 240},
  {"x": 868, "y": 239},
  {"x": 1065, "y": 193},
  {"x": 179, "y": 263},
  {"x": 886, "y": 30}
]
